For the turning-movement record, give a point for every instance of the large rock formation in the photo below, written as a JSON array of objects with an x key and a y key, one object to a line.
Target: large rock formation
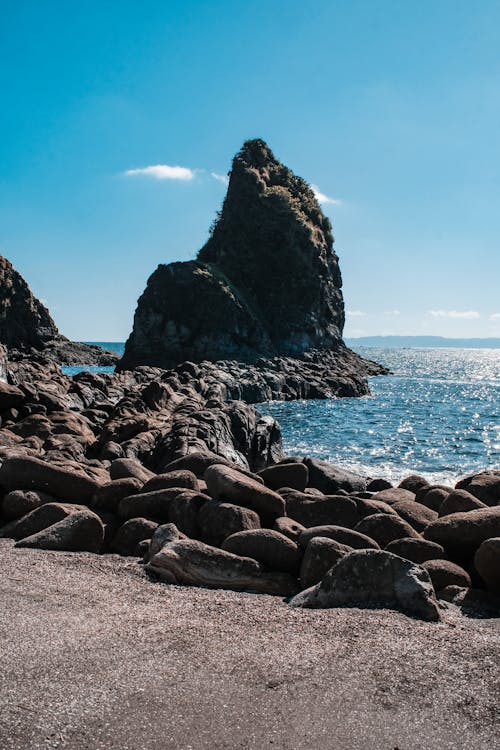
[
  {"x": 266, "y": 283},
  {"x": 28, "y": 331}
]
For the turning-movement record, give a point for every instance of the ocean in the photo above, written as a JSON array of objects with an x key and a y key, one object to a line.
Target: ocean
[{"x": 437, "y": 415}]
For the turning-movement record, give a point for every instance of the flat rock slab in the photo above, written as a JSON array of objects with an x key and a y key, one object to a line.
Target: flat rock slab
[{"x": 96, "y": 656}]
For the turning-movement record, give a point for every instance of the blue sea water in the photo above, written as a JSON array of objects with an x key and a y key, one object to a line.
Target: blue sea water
[{"x": 438, "y": 414}]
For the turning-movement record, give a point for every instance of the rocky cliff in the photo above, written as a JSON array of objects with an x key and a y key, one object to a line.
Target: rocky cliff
[
  {"x": 266, "y": 283},
  {"x": 28, "y": 331}
]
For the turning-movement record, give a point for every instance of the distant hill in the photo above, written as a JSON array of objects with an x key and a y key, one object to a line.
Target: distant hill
[{"x": 423, "y": 341}]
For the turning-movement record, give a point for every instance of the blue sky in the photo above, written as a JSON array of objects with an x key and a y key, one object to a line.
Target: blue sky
[{"x": 392, "y": 109}]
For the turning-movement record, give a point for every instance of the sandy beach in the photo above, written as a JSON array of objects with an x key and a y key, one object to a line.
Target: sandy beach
[{"x": 96, "y": 656}]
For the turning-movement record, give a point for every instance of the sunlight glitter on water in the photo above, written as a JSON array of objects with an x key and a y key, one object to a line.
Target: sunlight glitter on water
[{"x": 438, "y": 415}]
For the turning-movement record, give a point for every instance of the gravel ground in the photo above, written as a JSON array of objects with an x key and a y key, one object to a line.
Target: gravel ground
[{"x": 95, "y": 656}]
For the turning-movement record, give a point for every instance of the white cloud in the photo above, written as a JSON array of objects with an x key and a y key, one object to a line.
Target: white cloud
[
  {"x": 392, "y": 312},
  {"x": 220, "y": 177},
  {"x": 162, "y": 172},
  {"x": 322, "y": 198},
  {"x": 464, "y": 314},
  {"x": 355, "y": 314},
  {"x": 495, "y": 316}
]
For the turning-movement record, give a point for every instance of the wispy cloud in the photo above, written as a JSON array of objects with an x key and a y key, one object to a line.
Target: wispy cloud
[
  {"x": 324, "y": 199},
  {"x": 355, "y": 314},
  {"x": 495, "y": 316},
  {"x": 392, "y": 312},
  {"x": 220, "y": 177},
  {"x": 162, "y": 172},
  {"x": 464, "y": 314}
]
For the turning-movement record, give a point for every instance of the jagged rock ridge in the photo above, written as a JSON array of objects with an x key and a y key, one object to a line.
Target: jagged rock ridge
[
  {"x": 266, "y": 283},
  {"x": 28, "y": 331}
]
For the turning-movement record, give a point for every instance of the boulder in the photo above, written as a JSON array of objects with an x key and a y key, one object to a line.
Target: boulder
[
  {"x": 413, "y": 483},
  {"x": 152, "y": 505},
  {"x": 217, "y": 521},
  {"x": 130, "y": 534},
  {"x": 329, "y": 478},
  {"x": 320, "y": 555},
  {"x": 459, "y": 501},
  {"x": 294, "y": 475},
  {"x": 384, "y": 528},
  {"x": 345, "y": 536},
  {"x": 20, "y": 502},
  {"x": 126, "y": 468},
  {"x": 472, "y": 602},
  {"x": 270, "y": 548},
  {"x": 371, "y": 507},
  {"x": 433, "y": 497},
  {"x": 179, "y": 478},
  {"x": 198, "y": 462},
  {"x": 487, "y": 563},
  {"x": 81, "y": 531},
  {"x": 334, "y": 510},
  {"x": 374, "y": 579},
  {"x": 28, "y": 473},
  {"x": 416, "y": 550},
  {"x": 109, "y": 495},
  {"x": 445, "y": 573},
  {"x": 10, "y": 396},
  {"x": 377, "y": 485},
  {"x": 462, "y": 533},
  {"x": 417, "y": 515},
  {"x": 184, "y": 509},
  {"x": 192, "y": 563},
  {"x": 224, "y": 483},
  {"x": 393, "y": 495},
  {"x": 290, "y": 528},
  {"x": 38, "y": 519},
  {"x": 485, "y": 486}
]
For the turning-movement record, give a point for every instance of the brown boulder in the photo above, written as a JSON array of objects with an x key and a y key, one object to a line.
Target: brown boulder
[
  {"x": 348, "y": 537},
  {"x": 10, "y": 396},
  {"x": 413, "y": 483},
  {"x": 334, "y": 510},
  {"x": 384, "y": 528},
  {"x": 433, "y": 498},
  {"x": 329, "y": 479},
  {"x": 225, "y": 483},
  {"x": 152, "y": 505},
  {"x": 459, "y": 501},
  {"x": 108, "y": 496},
  {"x": 462, "y": 533},
  {"x": 28, "y": 473},
  {"x": 184, "y": 509},
  {"x": 38, "y": 519},
  {"x": 416, "y": 550},
  {"x": 417, "y": 515},
  {"x": 81, "y": 531},
  {"x": 394, "y": 495},
  {"x": 130, "y": 534},
  {"x": 217, "y": 521},
  {"x": 20, "y": 502},
  {"x": 179, "y": 478},
  {"x": 294, "y": 475},
  {"x": 445, "y": 573},
  {"x": 123, "y": 468},
  {"x": 270, "y": 548},
  {"x": 290, "y": 528},
  {"x": 485, "y": 486},
  {"x": 487, "y": 563}
]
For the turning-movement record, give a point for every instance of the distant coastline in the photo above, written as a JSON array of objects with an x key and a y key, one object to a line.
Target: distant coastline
[{"x": 397, "y": 342}]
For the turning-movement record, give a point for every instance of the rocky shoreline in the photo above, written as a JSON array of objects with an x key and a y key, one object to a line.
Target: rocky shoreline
[{"x": 166, "y": 466}]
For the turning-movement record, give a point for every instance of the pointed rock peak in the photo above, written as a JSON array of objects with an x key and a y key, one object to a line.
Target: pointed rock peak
[{"x": 266, "y": 282}]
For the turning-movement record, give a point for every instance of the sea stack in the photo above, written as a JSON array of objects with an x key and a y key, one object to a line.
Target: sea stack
[
  {"x": 28, "y": 331},
  {"x": 266, "y": 283}
]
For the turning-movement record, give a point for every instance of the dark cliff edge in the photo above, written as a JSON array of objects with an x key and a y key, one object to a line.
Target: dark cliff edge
[
  {"x": 265, "y": 291},
  {"x": 28, "y": 331}
]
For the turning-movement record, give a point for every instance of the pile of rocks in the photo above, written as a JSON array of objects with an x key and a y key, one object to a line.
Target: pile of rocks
[{"x": 301, "y": 529}]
